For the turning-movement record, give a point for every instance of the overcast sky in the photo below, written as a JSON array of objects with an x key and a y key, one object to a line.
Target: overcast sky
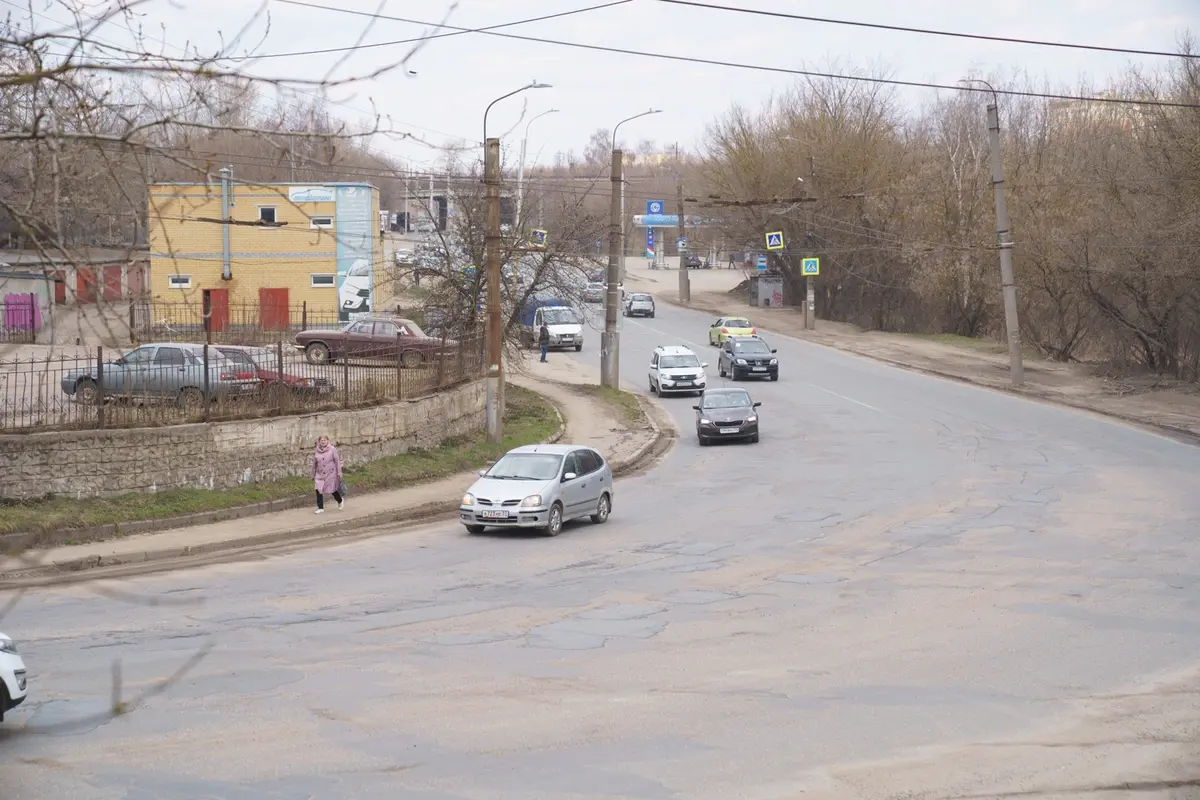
[{"x": 458, "y": 76}]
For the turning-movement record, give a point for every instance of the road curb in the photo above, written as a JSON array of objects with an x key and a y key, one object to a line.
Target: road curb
[
  {"x": 1182, "y": 435},
  {"x": 334, "y": 532}
]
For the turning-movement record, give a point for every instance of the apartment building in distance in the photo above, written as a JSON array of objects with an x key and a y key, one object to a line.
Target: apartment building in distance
[{"x": 260, "y": 251}]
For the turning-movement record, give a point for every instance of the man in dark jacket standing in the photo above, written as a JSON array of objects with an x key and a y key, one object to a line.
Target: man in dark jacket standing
[{"x": 544, "y": 339}]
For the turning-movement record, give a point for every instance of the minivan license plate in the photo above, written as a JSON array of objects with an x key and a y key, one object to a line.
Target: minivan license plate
[
  {"x": 494, "y": 514},
  {"x": 729, "y": 430}
]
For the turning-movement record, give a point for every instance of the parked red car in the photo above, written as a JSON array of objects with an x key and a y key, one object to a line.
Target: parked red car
[
  {"x": 263, "y": 363},
  {"x": 374, "y": 337}
]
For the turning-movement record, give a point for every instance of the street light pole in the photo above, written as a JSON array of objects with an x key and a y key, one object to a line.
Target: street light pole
[
  {"x": 521, "y": 164},
  {"x": 495, "y": 350},
  {"x": 1008, "y": 282},
  {"x": 610, "y": 340}
]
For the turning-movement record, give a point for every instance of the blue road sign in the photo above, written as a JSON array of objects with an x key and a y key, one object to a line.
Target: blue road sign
[
  {"x": 810, "y": 266},
  {"x": 775, "y": 240},
  {"x": 761, "y": 262},
  {"x": 654, "y": 206},
  {"x": 538, "y": 238},
  {"x": 681, "y": 243}
]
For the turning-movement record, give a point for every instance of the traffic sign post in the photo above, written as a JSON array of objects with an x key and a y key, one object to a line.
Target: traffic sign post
[
  {"x": 681, "y": 244},
  {"x": 810, "y": 268},
  {"x": 761, "y": 262},
  {"x": 775, "y": 240}
]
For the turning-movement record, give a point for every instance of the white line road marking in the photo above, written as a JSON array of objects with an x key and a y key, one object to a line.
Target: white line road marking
[{"x": 847, "y": 399}]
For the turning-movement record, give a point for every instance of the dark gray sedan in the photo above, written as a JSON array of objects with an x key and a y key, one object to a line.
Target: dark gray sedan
[
  {"x": 165, "y": 371},
  {"x": 726, "y": 414}
]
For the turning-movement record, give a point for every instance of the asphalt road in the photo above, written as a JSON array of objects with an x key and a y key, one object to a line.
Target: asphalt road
[{"x": 901, "y": 562}]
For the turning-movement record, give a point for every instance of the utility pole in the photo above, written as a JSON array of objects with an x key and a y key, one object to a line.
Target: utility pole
[
  {"x": 810, "y": 284},
  {"x": 610, "y": 340},
  {"x": 495, "y": 376},
  {"x": 685, "y": 280},
  {"x": 1008, "y": 282}
]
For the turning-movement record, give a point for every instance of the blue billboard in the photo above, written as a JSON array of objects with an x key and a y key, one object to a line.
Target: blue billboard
[{"x": 355, "y": 231}]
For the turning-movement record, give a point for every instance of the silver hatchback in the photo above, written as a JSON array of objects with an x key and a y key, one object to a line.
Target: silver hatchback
[{"x": 540, "y": 486}]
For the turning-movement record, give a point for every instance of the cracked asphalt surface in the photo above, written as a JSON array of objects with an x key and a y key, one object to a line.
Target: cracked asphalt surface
[{"x": 901, "y": 563}]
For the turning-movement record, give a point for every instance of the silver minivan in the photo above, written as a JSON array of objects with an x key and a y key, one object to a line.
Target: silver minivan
[{"x": 540, "y": 486}]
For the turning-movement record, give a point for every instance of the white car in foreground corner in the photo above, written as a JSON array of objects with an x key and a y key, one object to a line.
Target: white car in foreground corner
[{"x": 12, "y": 676}]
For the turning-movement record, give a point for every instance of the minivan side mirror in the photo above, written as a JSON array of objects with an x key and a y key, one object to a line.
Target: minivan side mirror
[
  {"x": 696, "y": 407},
  {"x": 756, "y": 405},
  {"x": 773, "y": 350},
  {"x": 570, "y": 476},
  {"x": 704, "y": 363}
]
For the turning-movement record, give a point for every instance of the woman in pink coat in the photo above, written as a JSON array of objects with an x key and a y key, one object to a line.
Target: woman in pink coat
[{"x": 327, "y": 474}]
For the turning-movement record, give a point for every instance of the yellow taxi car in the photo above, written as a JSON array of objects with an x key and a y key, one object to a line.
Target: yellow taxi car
[{"x": 725, "y": 327}]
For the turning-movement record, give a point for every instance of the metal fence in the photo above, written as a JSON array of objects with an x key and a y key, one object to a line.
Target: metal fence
[
  {"x": 230, "y": 323},
  {"x": 213, "y": 382}
]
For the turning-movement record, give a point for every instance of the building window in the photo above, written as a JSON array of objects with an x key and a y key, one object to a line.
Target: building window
[
  {"x": 266, "y": 214},
  {"x": 179, "y": 281},
  {"x": 323, "y": 281},
  {"x": 321, "y": 222}
]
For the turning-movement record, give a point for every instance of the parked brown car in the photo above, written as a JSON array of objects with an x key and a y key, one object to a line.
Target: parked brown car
[{"x": 373, "y": 337}]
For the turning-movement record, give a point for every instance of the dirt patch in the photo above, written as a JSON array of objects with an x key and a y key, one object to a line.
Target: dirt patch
[{"x": 1170, "y": 406}]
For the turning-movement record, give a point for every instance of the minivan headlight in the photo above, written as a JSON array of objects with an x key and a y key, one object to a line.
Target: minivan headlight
[
  {"x": 8, "y": 646},
  {"x": 533, "y": 501},
  {"x": 468, "y": 499}
]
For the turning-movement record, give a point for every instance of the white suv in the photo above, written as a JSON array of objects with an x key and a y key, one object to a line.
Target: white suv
[
  {"x": 674, "y": 368},
  {"x": 12, "y": 676}
]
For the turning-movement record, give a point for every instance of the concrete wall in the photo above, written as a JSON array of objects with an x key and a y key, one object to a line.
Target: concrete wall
[{"x": 225, "y": 454}]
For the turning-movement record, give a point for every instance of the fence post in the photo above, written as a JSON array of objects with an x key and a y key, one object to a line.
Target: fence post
[
  {"x": 304, "y": 316},
  {"x": 207, "y": 388},
  {"x": 33, "y": 317},
  {"x": 399, "y": 366},
  {"x": 346, "y": 382},
  {"x": 441, "y": 360},
  {"x": 99, "y": 386},
  {"x": 279, "y": 384},
  {"x": 133, "y": 322}
]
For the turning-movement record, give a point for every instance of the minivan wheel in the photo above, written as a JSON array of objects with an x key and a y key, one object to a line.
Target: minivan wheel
[
  {"x": 602, "y": 510},
  {"x": 555, "y": 523},
  {"x": 474, "y": 529}
]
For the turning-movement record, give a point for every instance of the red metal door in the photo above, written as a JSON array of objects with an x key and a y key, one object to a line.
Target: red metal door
[
  {"x": 112, "y": 282},
  {"x": 273, "y": 309},
  {"x": 85, "y": 286},
  {"x": 216, "y": 305},
  {"x": 60, "y": 287}
]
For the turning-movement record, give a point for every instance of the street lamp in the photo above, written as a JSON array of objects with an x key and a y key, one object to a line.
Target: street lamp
[
  {"x": 494, "y": 398},
  {"x": 531, "y": 85},
  {"x": 610, "y": 344},
  {"x": 521, "y": 165}
]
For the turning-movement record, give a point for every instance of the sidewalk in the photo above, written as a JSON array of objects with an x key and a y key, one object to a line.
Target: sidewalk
[{"x": 588, "y": 422}]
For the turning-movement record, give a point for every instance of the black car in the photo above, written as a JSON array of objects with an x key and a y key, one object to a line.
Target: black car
[
  {"x": 726, "y": 414},
  {"x": 747, "y": 356},
  {"x": 694, "y": 262}
]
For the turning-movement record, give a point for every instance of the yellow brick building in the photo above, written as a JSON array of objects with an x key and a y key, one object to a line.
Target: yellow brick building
[{"x": 259, "y": 254}]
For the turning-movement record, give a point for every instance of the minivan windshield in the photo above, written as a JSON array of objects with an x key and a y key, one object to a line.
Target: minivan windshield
[
  {"x": 560, "y": 316},
  {"x": 726, "y": 400},
  {"x": 526, "y": 467},
  {"x": 675, "y": 362}
]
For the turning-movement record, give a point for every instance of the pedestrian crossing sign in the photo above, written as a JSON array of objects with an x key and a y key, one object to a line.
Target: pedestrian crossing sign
[
  {"x": 538, "y": 238},
  {"x": 775, "y": 240},
  {"x": 810, "y": 266}
]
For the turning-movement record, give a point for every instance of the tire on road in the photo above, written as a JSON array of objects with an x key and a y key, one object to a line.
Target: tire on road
[
  {"x": 475, "y": 529},
  {"x": 85, "y": 391},
  {"x": 189, "y": 397},
  {"x": 554, "y": 523},
  {"x": 603, "y": 509}
]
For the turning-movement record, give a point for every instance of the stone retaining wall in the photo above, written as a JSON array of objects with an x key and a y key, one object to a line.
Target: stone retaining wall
[{"x": 224, "y": 454}]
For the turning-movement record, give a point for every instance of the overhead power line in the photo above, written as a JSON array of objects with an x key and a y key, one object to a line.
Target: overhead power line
[
  {"x": 930, "y": 31},
  {"x": 761, "y": 67}
]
